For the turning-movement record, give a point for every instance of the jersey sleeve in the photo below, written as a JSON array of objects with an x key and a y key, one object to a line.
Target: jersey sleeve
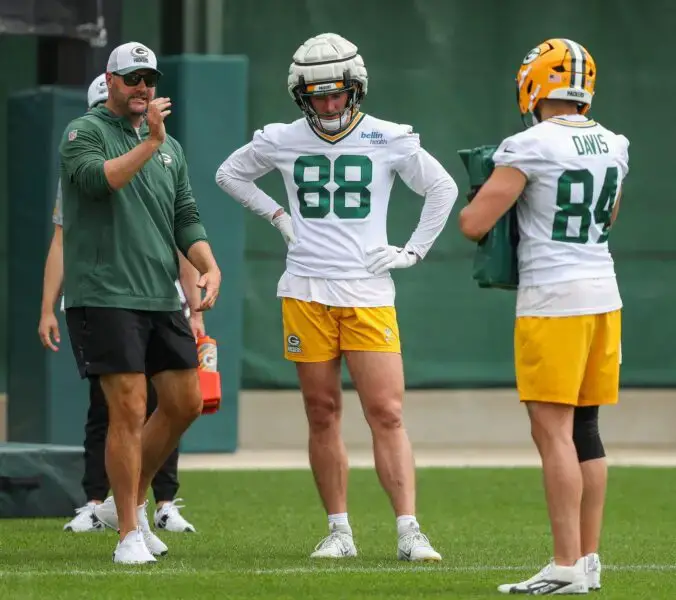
[
  {"x": 623, "y": 154},
  {"x": 423, "y": 174},
  {"x": 238, "y": 172},
  {"x": 521, "y": 153},
  {"x": 264, "y": 149},
  {"x": 403, "y": 146},
  {"x": 251, "y": 161}
]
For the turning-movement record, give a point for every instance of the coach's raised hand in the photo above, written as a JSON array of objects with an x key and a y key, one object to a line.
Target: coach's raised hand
[{"x": 158, "y": 110}]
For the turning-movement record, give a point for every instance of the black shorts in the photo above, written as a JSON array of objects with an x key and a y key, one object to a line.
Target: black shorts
[{"x": 117, "y": 340}]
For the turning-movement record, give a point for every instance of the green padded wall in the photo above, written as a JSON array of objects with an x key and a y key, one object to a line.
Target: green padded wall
[
  {"x": 18, "y": 56},
  {"x": 209, "y": 127},
  {"x": 447, "y": 67},
  {"x": 48, "y": 401}
]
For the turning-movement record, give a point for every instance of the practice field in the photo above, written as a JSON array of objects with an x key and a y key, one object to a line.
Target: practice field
[{"x": 256, "y": 530}]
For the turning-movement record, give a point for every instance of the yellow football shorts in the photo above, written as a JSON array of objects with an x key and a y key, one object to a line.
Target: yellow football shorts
[
  {"x": 568, "y": 360},
  {"x": 314, "y": 332}
]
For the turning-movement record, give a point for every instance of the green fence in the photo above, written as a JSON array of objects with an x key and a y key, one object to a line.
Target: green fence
[{"x": 447, "y": 67}]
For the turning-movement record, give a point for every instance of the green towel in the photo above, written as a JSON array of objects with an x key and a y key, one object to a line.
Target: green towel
[{"x": 495, "y": 262}]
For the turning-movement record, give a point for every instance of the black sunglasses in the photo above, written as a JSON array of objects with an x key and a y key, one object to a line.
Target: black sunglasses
[{"x": 134, "y": 78}]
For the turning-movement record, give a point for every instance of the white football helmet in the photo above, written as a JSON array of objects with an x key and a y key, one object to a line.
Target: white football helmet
[
  {"x": 98, "y": 91},
  {"x": 328, "y": 64}
]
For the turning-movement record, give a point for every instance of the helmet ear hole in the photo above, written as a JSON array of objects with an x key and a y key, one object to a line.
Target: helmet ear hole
[{"x": 529, "y": 88}]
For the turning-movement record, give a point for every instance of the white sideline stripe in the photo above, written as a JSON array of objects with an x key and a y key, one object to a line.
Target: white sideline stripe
[{"x": 150, "y": 570}]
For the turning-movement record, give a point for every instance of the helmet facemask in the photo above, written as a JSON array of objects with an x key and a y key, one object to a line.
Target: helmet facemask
[{"x": 304, "y": 92}]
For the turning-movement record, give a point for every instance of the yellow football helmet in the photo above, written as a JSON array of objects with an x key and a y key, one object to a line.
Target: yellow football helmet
[{"x": 559, "y": 69}]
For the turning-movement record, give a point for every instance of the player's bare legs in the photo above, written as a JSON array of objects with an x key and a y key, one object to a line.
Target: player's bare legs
[
  {"x": 379, "y": 380},
  {"x": 595, "y": 480},
  {"x": 591, "y": 455},
  {"x": 321, "y": 389},
  {"x": 552, "y": 429},
  {"x": 126, "y": 398}
]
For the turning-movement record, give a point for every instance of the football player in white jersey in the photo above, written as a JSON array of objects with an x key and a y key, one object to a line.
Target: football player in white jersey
[
  {"x": 566, "y": 172},
  {"x": 338, "y": 166}
]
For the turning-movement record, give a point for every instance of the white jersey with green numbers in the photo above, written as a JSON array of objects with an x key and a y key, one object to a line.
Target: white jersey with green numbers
[
  {"x": 575, "y": 168},
  {"x": 338, "y": 189}
]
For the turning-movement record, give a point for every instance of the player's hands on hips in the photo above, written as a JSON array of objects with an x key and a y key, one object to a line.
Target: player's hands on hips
[
  {"x": 382, "y": 259},
  {"x": 210, "y": 282},
  {"x": 48, "y": 330},
  {"x": 158, "y": 109},
  {"x": 283, "y": 223}
]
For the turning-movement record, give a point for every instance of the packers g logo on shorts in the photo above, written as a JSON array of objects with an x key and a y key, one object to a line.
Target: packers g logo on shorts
[
  {"x": 531, "y": 56},
  {"x": 293, "y": 344}
]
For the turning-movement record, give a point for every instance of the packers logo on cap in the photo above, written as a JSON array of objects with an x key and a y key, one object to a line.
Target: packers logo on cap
[{"x": 139, "y": 52}]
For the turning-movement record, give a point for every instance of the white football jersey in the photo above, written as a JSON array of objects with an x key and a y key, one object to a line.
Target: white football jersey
[
  {"x": 338, "y": 188},
  {"x": 575, "y": 169}
]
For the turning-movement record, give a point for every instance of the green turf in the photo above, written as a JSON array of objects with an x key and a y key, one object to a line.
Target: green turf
[{"x": 256, "y": 530}]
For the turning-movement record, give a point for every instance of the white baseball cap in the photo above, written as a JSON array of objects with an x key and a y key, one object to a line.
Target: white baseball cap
[
  {"x": 130, "y": 57},
  {"x": 98, "y": 91}
]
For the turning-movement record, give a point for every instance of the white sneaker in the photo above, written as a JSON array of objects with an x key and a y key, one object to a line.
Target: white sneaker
[
  {"x": 552, "y": 580},
  {"x": 85, "y": 520},
  {"x": 593, "y": 571},
  {"x": 415, "y": 547},
  {"x": 168, "y": 517},
  {"x": 154, "y": 544},
  {"x": 132, "y": 550},
  {"x": 338, "y": 544},
  {"x": 106, "y": 512}
]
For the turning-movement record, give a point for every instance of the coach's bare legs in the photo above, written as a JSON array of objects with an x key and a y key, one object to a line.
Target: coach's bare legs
[
  {"x": 379, "y": 380},
  {"x": 321, "y": 389},
  {"x": 179, "y": 403},
  {"x": 126, "y": 398},
  {"x": 552, "y": 431}
]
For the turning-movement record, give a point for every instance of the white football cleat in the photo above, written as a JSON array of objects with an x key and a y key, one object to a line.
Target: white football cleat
[
  {"x": 169, "y": 518},
  {"x": 552, "y": 580},
  {"x": 85, "y": 520},
  {"x": 106, "y": 512},
  {"x": 338, "y": 544},
  {"x": 415, "y": 547},
  {"x": 593, "y": 570},
  {"x": 132, "y": 550}
]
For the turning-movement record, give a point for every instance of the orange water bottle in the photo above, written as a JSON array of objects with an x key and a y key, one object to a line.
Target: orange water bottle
[
  {"x": 207, "y": 353},
  {"x": 210, "y": 378}
]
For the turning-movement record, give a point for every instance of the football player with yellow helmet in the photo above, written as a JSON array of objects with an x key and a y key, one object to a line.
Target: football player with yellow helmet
[
  {"x": 564, "y": 173},
  {"x": 338, "y": 166}
]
